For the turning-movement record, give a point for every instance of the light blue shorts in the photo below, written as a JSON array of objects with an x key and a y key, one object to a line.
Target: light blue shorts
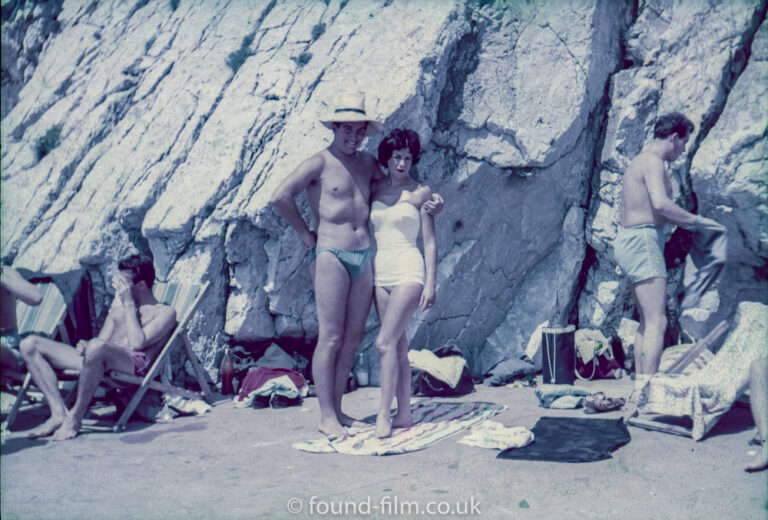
[{"x": 639, "y": 252}]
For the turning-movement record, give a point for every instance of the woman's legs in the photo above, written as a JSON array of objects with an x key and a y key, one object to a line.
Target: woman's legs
[
  {"x": 403, "y": 418},
  {"x": 395, "y": 310}
]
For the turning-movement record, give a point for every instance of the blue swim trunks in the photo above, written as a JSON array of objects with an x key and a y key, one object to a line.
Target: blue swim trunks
[
  {"x": 354, "y": 262},
  {"x": 639, "y": 252}
]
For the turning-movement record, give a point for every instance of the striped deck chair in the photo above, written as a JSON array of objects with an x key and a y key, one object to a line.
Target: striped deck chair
[
  {"x": 185, "y": 298},
  {"x": 46, "y": 319},
  {"x": 706, "y": 394}
]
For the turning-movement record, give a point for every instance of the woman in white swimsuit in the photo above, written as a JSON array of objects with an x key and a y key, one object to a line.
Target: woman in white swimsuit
[{"x": 402, "y": 283}]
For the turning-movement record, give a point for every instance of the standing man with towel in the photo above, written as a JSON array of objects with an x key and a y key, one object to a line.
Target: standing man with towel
[{"x": 639, "y": 245}]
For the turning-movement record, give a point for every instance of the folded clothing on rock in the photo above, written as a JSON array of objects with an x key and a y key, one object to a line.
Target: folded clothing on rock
[
  {"x": 507, "y": 371},
  {"x": 443, "y": 372},
  {"x": 560, "y": 396},
  {"x": 268, "y": 382}
]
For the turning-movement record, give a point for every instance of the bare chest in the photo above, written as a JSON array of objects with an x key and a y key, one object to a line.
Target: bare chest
[
  {"x": 120, "y": 319},
  {"x": 345, "y": 181}
]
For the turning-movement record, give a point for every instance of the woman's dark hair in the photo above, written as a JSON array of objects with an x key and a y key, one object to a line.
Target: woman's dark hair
[
  {"x": 672, "y": 123},
  {"x": 399, "y": 139},
  {"x": 141, "y": 268}
]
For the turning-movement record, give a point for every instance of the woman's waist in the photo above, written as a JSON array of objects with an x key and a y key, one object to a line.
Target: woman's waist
[{"x": 401, "y": 246}]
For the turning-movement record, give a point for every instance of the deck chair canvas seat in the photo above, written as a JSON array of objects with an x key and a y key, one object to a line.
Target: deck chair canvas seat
[
  {"x": 185, "y": 298},
  {"x": 46, "y": 319},
  {"x": 705, "y": 395}
]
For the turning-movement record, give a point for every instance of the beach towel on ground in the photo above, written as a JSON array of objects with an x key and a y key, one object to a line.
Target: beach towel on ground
[
  {"x": 496, "y": 436},
  {"x": 567, "y": 439},
  {"x": 433, "y": 422}
]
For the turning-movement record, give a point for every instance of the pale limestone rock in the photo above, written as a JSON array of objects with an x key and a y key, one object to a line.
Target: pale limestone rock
[
  {"x": 678, "y": 67},
  {"x": 164, "y": 147}
]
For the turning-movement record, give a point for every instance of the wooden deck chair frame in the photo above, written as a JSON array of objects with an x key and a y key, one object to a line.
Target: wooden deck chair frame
[
  {"x": 632, "y": 416},
  {"x": 148, "y": 381},
  {"x": 46, "y": 319}
]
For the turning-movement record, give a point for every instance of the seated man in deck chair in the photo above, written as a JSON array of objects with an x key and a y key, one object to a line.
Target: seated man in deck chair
[
  {"x": 132, "y": 335},
  {"x": 13, "y": 287}
]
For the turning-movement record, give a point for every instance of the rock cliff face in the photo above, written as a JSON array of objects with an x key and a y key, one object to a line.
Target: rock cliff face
[{"x": 176, "y": 120}]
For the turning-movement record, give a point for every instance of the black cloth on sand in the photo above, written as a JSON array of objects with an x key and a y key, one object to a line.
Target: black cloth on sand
[{"x": 571, "y": 439}]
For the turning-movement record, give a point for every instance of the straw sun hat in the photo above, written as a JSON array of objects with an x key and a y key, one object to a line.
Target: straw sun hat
[{"x": 350, "y": 108}]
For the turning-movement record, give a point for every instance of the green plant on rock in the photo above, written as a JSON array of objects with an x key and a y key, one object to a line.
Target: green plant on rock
[
  {"x": 302, "y": 59},
  {"x": 238, "y": 57},
  {"x": 317, "y": 31},
  {"x": 48, "y": 141}
]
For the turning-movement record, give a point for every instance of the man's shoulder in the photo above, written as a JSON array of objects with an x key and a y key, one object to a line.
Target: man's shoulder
[
  {"x": 160, "y": 310},
  {"x": 643, "y": 163},
  {"x": 317, "y": 160},
  {"x": 646, "y": 159}
]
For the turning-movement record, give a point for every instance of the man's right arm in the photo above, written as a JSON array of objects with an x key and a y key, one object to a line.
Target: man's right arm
[
  {"x": 660, "y": 201},
  {"x": 284, "y": 202}
]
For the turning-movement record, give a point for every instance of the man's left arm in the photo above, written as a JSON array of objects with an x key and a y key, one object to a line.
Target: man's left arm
[
  {"x": 139, "y": 337},
  {"x": 158, "y": 327},
  {"x": 435, "y": 205}
]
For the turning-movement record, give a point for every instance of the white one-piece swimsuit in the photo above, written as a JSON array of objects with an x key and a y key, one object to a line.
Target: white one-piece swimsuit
[{"x": 398, "y": 259}]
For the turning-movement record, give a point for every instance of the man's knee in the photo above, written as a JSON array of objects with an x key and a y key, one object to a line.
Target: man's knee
[
  {"x": 331, "y": 341},
  {"x": 655, "y": 324},
  {"x": 94, "y": 349},
  {"x": 29, "y": 346}
]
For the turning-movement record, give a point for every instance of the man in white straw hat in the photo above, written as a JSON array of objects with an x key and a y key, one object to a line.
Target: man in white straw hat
[{"x": 337, "y": 180}]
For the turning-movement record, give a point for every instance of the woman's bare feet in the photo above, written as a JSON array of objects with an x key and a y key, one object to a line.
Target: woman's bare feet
[
  {"x": 332, "y": 428},
  {"x": 760, "y": 462},
  {"x": 47, "y": 428},
  {"x": 68, "y": 430},
  {"x": 383, "y": 426}
]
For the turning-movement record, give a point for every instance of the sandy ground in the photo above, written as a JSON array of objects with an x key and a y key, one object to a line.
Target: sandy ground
[{"x": 239, "y": 464}]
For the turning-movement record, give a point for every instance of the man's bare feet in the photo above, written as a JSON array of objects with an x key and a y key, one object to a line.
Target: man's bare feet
[
  {"x": 68, "y": 430},
  {"x": 332, "y": 428},
  {"x": 47, "y": 428},
  {"x": 760, "y": 462},
  {"x": 383, "y": 427},
  {"x": 348, "y": 421},
  {"x": 402, "y": 420}
]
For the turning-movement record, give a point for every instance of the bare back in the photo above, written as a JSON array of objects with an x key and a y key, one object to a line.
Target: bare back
[
  {"x": 339, "y": 198},
  {"x": 644, "y": 174}
]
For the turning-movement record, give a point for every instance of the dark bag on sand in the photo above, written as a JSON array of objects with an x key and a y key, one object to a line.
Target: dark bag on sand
[
  {"x": 558, "y": 355},
  {"x": 427, "y": 384}
]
